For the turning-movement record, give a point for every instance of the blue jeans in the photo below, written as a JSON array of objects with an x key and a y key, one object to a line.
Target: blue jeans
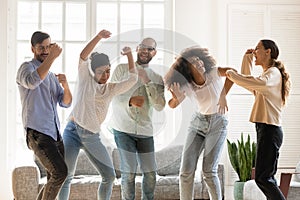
[
  {"x": 51, "y": 155},
  {"x": 136, "y": 150},
  {"x": 76, "y": 138},
  {"x": 269, "y": 140},
  {"x": 206, "y": 133}
]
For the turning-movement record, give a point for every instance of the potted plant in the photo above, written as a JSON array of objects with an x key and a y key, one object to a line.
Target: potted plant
[{"x": 242, "y": 158}]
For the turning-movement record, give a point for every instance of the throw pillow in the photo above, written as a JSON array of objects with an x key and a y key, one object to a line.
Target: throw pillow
[
  {"x": 297, "y": 176},
  {"x": 168, "y": 160}
]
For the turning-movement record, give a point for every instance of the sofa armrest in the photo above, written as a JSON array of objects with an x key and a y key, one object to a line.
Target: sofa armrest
[
  {"x": 221, "y": 175},
  {"x": 25, "y": 182}
]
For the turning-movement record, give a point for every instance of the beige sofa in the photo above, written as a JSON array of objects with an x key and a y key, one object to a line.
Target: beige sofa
[{"x": 27, "y": 180}]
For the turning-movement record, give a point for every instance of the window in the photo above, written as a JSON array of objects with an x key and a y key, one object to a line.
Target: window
[{"x": 72, "y": 23}]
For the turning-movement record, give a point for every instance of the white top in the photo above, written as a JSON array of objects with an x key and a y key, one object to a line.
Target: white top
[
  {"x": 92, "y": 99},
  {"x": 130, "y": 119},
  {"x": 266, "y": 89},
  {"x": 208, "y": 94}
]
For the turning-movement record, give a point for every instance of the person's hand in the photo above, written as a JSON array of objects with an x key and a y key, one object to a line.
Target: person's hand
[
  {"x": 249, "y": 51},
  {"x": 104, "y": 34},
  {"x": 143, "y": 76},
  {"x": 62, "y": 79},
  {"x": 54, "y": 50},
  {"x": 126, "y": 51},
  {"x": 137, "y": 101},
  {"x": 223, "y": 108},
  {"x": 176, "y": 92}
]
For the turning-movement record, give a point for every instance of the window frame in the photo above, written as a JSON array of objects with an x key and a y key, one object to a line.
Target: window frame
[{"x": 90, "y": 30}]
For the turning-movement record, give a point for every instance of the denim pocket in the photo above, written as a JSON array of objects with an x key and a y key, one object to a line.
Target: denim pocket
[
  {"x": 84, "y": 133},
  {"x": 199, "y": 124}
]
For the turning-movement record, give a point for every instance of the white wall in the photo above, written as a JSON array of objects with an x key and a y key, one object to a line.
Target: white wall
[
  {"x": 5, "y": 183},
  {"x": 198, "y": 20}
]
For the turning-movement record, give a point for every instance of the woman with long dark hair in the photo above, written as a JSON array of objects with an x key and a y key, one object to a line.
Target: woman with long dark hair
[{"x": 270, "y": 89}]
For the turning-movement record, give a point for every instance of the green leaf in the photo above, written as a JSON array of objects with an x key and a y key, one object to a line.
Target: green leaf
[{"x": 242, "y": 156}]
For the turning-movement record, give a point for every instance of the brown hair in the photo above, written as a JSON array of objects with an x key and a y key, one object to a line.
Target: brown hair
[
  {"x": 286, "y": 83},
  {"x": 38, "y": 37}
]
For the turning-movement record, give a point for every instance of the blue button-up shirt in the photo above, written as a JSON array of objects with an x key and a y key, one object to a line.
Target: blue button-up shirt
[{"x": 39, "y": 99}]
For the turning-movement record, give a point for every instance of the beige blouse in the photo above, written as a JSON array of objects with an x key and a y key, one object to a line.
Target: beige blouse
[{"x": 266, "y": 89}]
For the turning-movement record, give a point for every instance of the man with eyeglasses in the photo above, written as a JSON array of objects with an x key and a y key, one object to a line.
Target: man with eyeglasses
[
  {"x": 131, "y": 122},
  {"x": 40, "y": 92}
]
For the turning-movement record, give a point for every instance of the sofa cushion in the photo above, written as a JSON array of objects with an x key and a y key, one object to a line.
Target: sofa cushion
[
  {"x": 297, "y": 170},
  {"x": 168, "y": 160},
  {"x": 25, "y": 181},
  {"x": 84, "y": 165},
  {"x": 294, "y": 191}
]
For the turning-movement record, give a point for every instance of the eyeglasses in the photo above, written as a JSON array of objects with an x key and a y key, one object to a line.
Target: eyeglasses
[
  {"x": 145, "y": 47},
  {"x": 43, "y": 48}
]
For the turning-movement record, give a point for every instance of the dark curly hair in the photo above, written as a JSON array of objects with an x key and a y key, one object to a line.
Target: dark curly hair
[{"x": 180, "y": 71}]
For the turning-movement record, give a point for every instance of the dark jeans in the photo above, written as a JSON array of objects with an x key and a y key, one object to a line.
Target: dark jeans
[
  {"x": 51, "y": 155},
  {"x": 269, "y": 140}
]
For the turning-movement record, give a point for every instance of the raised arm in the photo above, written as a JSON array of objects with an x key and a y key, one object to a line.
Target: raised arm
[
  {"x": 54, "y": 52},
  {"x": 126, "y": 51},
  {"x": 246, "y": 68},
  {"x": 91, "y": 45},
  {"x": 132, "y": 78}
]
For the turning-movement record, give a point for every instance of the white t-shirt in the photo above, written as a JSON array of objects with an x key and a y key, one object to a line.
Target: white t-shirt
[
  {"x": 207, "y": 95},
  {"x": 91, "y": 100}
]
